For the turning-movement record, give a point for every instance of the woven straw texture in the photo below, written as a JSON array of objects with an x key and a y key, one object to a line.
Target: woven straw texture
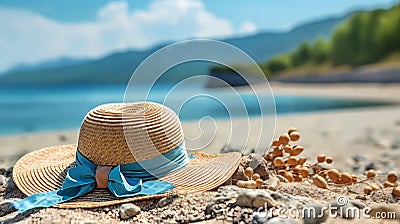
[
  {"x": 45, "y": 169},
  {"x": 113, "y": 134}
]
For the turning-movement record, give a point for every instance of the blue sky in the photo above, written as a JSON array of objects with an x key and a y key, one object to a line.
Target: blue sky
[{"x": 33, "y": 31}]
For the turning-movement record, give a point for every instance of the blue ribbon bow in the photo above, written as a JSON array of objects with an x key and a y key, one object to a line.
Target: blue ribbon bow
[{"x": 123, "y": 180}]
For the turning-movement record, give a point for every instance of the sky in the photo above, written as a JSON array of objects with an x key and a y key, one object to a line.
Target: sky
[{"x": 35, "y": 31}]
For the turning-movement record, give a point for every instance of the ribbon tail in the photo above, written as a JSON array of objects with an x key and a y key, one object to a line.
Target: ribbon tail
[
  {"x": 41, "y": 200},
  {"x": 47, "y": 199},
  {"x": 125, "y": 186},
  {"x": 79, "y": 181}
]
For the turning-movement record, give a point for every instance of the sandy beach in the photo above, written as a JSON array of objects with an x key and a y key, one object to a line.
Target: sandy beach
[{"x": 357, "y": 139}]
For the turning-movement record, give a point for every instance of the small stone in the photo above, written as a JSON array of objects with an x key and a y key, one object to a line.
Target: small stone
[
  {"x": 62, "y": 138},
  {"x": 255, "y": 199},
  {"x": 272, "y": 183},
  {"x": 166, "y": 201},
  {"x": 128, "y": 210},
  {"x": 383, "y": 144},
  {"x": 239, "y": 174},
  {"x": 278, "y": 220},
  {"x": 255, "y": 161},
  {"x": 370, "y": 166},
  {"x": 195, "y": 218},
  {"x": 396, "y": 191},
  {"x": 395, "y": 144},
  {"x": 314, "y": 214},
  {"x": 210, "y": 210},
  {"x": 220, "y": 199},
  {"x": 359, "y": 158},
  {"x": 3, "y": 180},
  {"x": 3, "y": 171},
  {"x": 12, "y": 191},
  {"x": 9, "y": 172},
  {"x": 282, "y": 179},
  {"x": 361, "y": 197},
  {"x": 260, "y": 217},
  {"x": 264, "y": 200},
  {"x": 246, "y": 198}
]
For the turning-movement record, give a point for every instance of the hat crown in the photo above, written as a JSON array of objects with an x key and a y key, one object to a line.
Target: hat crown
[{"x": 117, "y": 134}]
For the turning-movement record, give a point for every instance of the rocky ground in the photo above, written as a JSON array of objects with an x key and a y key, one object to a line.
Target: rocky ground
[{"x": 276, "y": 201}]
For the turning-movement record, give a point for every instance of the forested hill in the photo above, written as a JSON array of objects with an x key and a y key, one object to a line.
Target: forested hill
[{"x": 364, "y": 38}]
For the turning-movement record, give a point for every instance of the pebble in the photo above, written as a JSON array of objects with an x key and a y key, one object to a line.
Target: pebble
[
  {"x": 196, "y": 219},
  {"x": 220, "y": 199},
  {"x": 277, "y": 220},
  {"x": 256, "y": 198},
  {"x": 260, "y": 217},
  {"x": 259, "y": 165},
  {"x": 166, "y": 201},
  {"x": 272, "y": 183},
  {"x": 255, "y": 161},
  {"x": 3, "y": 180},
  {"x": 128, "y": 210},
  {"x": 383, "y": 144},
  {"x": 12, "y": 191},
  {"x": 282, "y": 179},
  {"x": 263, "y": 200},
  {"x": 370, "y": 166},
  {"x": 396, "y": 144},
  {"x": 361, "y": 197},
  {"x": 246, "y": 198},
  {"x": 359, "y": 158},
  {"x": 3, "y": 171},
  {"x": 318, "y": 217},
  {"x": 9, "y": 172}
]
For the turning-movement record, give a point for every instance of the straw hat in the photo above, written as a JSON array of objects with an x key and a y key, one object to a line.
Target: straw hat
[{"x": 117, "y": 134}]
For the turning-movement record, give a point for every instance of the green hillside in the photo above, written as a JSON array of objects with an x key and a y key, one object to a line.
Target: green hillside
[{"x": 364, "y": 38}]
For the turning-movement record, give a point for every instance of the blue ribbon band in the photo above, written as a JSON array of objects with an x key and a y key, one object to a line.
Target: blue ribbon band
[{"x": 127, "y": 180}]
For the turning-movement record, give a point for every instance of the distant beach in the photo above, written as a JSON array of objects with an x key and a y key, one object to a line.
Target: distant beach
[{"x": 339, "y": 133}]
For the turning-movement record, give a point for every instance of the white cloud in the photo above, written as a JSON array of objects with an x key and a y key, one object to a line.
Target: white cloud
[
  {"x": 247, "y": 27},
  {"x": 29, "y": 37}
]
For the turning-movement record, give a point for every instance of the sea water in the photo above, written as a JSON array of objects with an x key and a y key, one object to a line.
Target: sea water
[{"x": 32, "y": 109}]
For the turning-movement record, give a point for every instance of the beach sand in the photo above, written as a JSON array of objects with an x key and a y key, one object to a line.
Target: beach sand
[{"x": 371, "y": 133}]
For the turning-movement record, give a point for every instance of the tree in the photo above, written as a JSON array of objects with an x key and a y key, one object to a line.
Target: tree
[
  {"x": 279, "y": 63},
  {"x": 320, "y": 51},
  {"x": 301, "y": 55}
]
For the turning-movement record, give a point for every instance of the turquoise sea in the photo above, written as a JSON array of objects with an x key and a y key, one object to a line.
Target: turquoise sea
[{"x": 32, "y": 109}]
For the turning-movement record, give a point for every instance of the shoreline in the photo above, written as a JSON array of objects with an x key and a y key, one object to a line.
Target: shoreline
[{"x": 333, "y": 129}]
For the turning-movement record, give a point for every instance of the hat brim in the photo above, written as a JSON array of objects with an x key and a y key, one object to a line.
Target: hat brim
[{"x": 45, "y": 169}]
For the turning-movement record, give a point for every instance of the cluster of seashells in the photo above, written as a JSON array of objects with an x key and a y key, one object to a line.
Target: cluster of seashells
[{"x": 286, "y": 161}]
